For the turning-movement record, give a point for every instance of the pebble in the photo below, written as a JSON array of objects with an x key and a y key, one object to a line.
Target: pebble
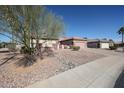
[{"x": 62, "y": 61}]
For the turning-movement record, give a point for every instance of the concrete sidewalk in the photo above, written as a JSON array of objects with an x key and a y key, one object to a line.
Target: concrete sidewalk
[{"x": 99, "y": 73}]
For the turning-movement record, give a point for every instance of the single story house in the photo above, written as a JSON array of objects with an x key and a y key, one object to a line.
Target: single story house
[
  {"x": 96, "y": 43},
  {"x": 7, "y": 45},
  {"x": 51, "y": 43},
  {"x": 74, "y": 41}
]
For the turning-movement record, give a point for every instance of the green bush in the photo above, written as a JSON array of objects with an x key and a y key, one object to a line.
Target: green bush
[
  {"x": 113, "y": 47},
  {"x": 76, "y": 48},
  {"x": 71, "y": 47},
  {"x": 65, "y": 47},
  {"x": 24, "y": 50},
  {"x": 0, "y": 45}
]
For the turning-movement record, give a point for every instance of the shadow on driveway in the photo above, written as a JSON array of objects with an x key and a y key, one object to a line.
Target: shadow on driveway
[{"x": 120, "y": 81}]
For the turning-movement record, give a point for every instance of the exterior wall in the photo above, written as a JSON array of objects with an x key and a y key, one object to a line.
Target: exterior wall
[
  {"x": 104, "y": 45},
  {"x": 18, "y": 47},
  {"x": 67, "y": 42},
  {"x": 98, "y": 45},
  {"x": 48, "y": 43},
  {"x": 93, "y": 44},
  {"x": 82, "y": 44},
  {"x": 71, "y": 42},
  {"x": 111, "y": 44}
]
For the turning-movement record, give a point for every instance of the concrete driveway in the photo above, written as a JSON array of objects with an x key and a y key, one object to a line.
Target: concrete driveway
[{"x": 101, "y": 73}]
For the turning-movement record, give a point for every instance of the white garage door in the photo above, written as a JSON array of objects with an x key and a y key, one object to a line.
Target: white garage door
[{"x": 104, "y": 45}]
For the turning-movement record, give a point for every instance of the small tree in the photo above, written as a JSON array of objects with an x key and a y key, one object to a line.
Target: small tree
[{"x": 25, "y": 23}]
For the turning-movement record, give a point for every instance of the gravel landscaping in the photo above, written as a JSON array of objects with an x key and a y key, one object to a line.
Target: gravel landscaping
[{"x": 14, "y": 75}]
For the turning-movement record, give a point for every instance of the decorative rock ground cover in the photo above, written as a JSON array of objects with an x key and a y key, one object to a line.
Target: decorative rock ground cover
[{"x": 14, "y": 75}]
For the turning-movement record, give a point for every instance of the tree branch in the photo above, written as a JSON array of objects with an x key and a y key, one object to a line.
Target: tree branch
[{"x": 9, "y": 37}]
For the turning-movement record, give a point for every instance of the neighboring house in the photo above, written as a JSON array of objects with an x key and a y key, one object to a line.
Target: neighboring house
[
  {"x": 74, "y": 41},
  {"x": 51, "y": 43},
  {"x": 119, "y": 44},
  {"x": 98, "y": 43},
  {"x": 7, "y": 44}
]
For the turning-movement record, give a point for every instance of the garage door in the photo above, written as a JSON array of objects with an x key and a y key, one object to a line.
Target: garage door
[{"x": 104, "y": 45}]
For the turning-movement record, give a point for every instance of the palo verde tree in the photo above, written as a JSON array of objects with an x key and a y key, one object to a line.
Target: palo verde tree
[{"x": 27, "y": 22}]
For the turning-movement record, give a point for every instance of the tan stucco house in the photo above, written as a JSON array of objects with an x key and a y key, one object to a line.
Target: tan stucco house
[{"x": 51, "y": 43}]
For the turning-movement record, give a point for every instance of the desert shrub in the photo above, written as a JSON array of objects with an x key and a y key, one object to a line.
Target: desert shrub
[
  {"x": 76, "y": 48},
  {"x": 0, "y": 45},
  {"x": 65, "y": 47},
  {"x": 24, "y": 50},
  {"x": 71, "y": 47},
  {"x": 113, "y": 47},
  {"x": 27, "y": 60}
]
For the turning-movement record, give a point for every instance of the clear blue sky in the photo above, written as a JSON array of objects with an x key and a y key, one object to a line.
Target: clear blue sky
[{"x": 90, "y": 21}]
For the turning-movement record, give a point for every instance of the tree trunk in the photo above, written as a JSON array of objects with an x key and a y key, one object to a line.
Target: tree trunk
[
  {"x": 13, "y": 46},
  {"x": 123, "y": 41},
  {"x": 122, "y": 38}
]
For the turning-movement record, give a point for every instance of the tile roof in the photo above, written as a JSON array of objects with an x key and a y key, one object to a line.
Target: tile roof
[
  {"x": 73, "y": 38},
  {"x": 97, "y": 40}
]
